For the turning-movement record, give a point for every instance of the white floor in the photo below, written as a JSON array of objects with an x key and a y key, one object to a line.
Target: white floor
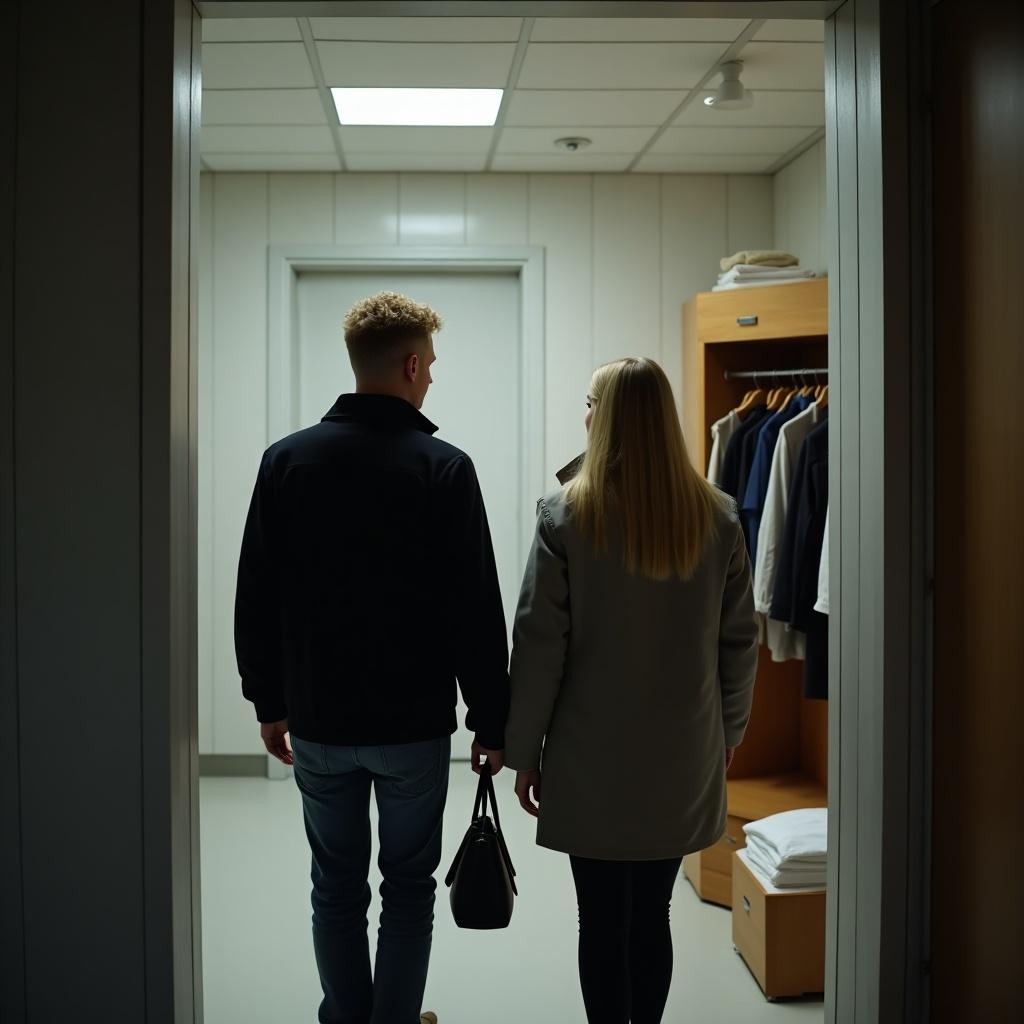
[{"x": 257, "y": 952}]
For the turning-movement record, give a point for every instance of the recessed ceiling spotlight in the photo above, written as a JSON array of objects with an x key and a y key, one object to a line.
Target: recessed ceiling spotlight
[
  {"x": 427, "y": 107},
  {"x": 572, "y": 143},
  {"x": 730, "y": 94}
]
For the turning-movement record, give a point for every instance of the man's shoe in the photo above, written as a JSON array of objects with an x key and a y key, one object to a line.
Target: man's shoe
[{"x": 428, "y": 1018}]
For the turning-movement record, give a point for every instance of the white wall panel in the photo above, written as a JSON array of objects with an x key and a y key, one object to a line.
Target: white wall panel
[
  {"x": 627, "y": 267},
  {"x": 496, "y": 207},
  {"x": 205, "y": 382},
  {"x": 239, "y": 422},
  {"x": 432, "y": 209},
  {"x": 800, "y": 216},
  {"x": 301, "y": 208},
  {"x": 560, "y": 220},
  {"x": 366, "y": 209},
  {"x": 749, "y": 216},
  {"x": 622, "y": 253},
  {"x": 692, "y": 242}
]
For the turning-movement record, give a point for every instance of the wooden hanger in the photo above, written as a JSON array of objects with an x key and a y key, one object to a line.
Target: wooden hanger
[
  {"x": 823, "y": 397},
  {"x": 749, "y": 400}
]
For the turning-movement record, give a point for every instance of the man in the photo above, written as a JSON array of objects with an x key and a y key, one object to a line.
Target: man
[{"x": 366, "y": 587}]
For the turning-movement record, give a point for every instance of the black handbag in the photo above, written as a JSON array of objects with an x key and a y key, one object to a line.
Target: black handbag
[{"x": 482, "y": 878}]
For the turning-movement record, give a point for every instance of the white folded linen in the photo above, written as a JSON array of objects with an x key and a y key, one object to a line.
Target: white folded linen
[
  {"x": 799, "y": 833},
  {"x": 756, "y": 284},
  {"x": 761, "y": 257},
  {"x": 745, "y": 271},
  {"x": 770, "y": 856},
  {"x": 770, "y": 886}
]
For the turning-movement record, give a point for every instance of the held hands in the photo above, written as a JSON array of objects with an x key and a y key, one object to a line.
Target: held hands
[
  {"x": 275, "y": 739},
  {"x": 525, "y": 782},
  {"x": 494, "y": 758}
]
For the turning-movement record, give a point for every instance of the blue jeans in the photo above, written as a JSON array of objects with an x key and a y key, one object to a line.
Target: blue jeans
[{"x": 411, "y": 784}]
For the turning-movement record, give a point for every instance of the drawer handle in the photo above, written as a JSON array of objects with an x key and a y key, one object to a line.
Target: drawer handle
[
  {"x": 731, "y": 839},
  {"x": 747, "y": 321},
  {"x": 746, "y": 905}
]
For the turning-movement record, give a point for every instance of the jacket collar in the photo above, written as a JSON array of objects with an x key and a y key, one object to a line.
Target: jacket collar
[{"x": 379, "y": 410}]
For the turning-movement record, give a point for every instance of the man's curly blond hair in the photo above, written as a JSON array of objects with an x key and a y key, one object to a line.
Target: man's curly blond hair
[{"x": 380, "y": 328}]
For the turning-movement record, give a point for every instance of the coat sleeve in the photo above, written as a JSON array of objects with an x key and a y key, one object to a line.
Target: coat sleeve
[
  {"x": 481, "y": 640},
  {"x": 258, "y": 635},
  {"x": 540, "y": 644},
  {"x": 737, "y": 644}
]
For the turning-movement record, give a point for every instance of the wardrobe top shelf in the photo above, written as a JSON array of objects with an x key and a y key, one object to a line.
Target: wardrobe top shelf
[{"x": 760, "y": 796}]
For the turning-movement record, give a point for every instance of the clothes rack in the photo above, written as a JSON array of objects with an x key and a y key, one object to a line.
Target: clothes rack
[{"x": 771, "y": 374}]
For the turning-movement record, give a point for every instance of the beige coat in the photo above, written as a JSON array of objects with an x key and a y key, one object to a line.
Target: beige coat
[{"x": 632, "y": 689}]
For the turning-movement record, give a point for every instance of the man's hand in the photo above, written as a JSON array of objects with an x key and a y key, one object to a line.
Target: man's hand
[
  {"x": 526, "y": 781},
  {"x": 275, "y": 739},
  {"x": 730, "y": 753},
  {"x": 495, "y": 758}
]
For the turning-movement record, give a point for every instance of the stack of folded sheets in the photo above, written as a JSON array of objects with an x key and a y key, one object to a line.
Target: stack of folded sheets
[
  {"x": 755, "y": 268},
  {"x": 789, "y": 849}
]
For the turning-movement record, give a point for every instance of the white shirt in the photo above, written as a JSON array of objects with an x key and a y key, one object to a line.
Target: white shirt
[
  {"x": 821, "y": 605},
  {"x": 783, "y": 642},
  {"x": 721, "y": 433}
]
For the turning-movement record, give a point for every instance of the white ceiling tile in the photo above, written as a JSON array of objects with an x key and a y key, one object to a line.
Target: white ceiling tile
[
  {"x": 567, "y": 163},
  {"x": 379, "y": 140},
  {"x": 769, "y": 109},
  {"x": 419, "y": 30},
  {"x": 416, "y": 161},
  {"x": 413, "y": 65},
  {"x": 262, "y": 106},
  {"x": 693, "y": 139},
  {"x": 271, "y": 161},
  {"x": 779, "y": 29},
  {"x": 256, "y": 66},
  {"x": 289, "y": 138},
  {"x": 616, "y": 30},
  {"x": 784, "y": 66},
  {"x": 684, "y": 163},
  {"x": 250, "y": 30},
  {"x": 617, "y": 65},
  {"x": 539, "y": 107},
  {"x": 603, "y": 140}
]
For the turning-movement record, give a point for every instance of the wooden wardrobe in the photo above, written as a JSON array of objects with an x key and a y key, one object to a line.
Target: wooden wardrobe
[{"x": 782, "y": 763}]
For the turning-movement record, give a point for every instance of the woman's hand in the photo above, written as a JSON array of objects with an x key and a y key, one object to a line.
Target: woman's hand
[{"x": 525, "y": 782}]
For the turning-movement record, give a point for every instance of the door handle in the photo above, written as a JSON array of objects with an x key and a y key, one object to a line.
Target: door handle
[{"x": 747, "y": 321}]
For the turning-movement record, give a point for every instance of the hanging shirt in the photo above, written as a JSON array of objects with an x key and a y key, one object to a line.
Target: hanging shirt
[
  {"x": 733, "y": 463},
  {"x": 821, "y": 605},
  {"x": 796, "y": 582},
  {"x": 721, "y": 433},
  {"x": 783, "y": 642},
  {"x": 753, "y": 498}
]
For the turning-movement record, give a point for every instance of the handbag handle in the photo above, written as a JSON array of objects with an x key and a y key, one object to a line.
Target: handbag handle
[{"x": 485, "y": 793}]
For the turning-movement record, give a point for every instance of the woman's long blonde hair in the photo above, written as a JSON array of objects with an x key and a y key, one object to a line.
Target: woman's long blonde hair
[{"x": 637, "y": 457}]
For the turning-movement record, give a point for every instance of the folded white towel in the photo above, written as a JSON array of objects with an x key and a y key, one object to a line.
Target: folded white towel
[
  {"x": 782, "y": 878},
  {"x": 729, "y": 286},
  {"x": 799, "y": 833},
  {"x": 769, "y": 886},
  {"x": 770, "y": 856},
  {"x": 752, "y": 270},
  {"x": 762, "y": 257}
]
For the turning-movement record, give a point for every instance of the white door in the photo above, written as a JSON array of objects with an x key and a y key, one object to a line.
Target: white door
[{"x": 475, "y": 398}]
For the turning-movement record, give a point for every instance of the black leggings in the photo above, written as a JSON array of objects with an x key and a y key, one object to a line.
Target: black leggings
[{"x": 625, "y": 941}]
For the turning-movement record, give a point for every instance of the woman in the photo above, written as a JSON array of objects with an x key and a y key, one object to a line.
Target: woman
[{"x": 632, "y": 673}]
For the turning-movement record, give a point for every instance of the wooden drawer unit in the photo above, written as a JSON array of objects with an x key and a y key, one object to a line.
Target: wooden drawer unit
[
  {"x": 710, "y": 870},
  {"x": 780, "y": 934},
  {"x": 775, "y": 311}
]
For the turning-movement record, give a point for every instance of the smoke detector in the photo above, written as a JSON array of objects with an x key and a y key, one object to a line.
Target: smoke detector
[
  {"x": 730, "y": 94},
  {"x": 572, "y": 143}
]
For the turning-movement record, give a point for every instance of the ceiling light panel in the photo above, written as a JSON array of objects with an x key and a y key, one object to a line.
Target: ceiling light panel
[
  {"x": 262, "y": 106},
  {"x": 416, "y": 65},
  {"x": 771, "y": 109},
  {"x": 409, "y": 107},
  {"x": 250, "y": 30},
  {"x": 256, "y": 66},
  {"x": 622, "y": 30},
  {"x": 419, "y": 30},
  {"x": 540, "y": 107},
  {"x": 617, "y": 65}
]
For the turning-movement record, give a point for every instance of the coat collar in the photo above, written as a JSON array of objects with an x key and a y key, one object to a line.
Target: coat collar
[{"x": 379, "y": 410}]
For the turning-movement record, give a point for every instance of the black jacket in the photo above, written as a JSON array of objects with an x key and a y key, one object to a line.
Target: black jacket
[{"x": 367, "y": 584}]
